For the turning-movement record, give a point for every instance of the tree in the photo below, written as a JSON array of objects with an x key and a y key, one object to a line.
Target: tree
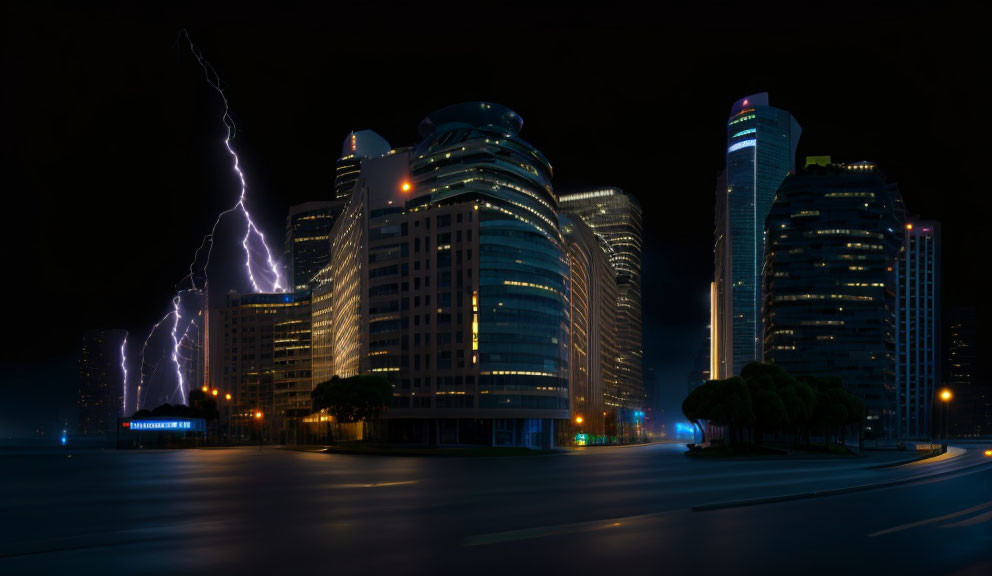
[
  {"x": 353, "y": 399},
  {"x": 698, "y": 404},
  {"x": 731, "y": 406}
]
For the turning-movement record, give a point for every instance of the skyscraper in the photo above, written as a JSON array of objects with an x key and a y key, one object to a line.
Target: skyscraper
[
  {"x": 918, "y": 322},
  {"x": 356, "y": 147},
  {"x": 834, "y": 233},
  {"x": 616, "y": 217},
  {"x": 101, "y": 381},
  {"x": 761, "y": 151},
  {"x": 448, "y": 276},
  {"x": 593, "y": 311},
  {"x": 308, "y": 247}
]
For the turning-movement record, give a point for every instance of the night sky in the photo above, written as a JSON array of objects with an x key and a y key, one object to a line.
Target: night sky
[{"x": 114, "y": 168}]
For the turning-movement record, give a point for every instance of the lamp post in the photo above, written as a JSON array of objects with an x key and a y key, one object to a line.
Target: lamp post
[
  {"x": 258, "y": 418},
  {"x": 945, "y": 397}
]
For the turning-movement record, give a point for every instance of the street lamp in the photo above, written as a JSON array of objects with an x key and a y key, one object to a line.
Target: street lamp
[
  {"x": 945, "y": 396},
  {"x": 258, "y": 418}
]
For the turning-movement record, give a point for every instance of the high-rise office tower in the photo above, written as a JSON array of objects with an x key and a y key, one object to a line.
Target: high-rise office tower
[
  {"x": 356, "y": 147},
  {"x": 918, "y": 327},
  {"x": 761, "y": 151},
  {"x": 308, "y": 247},
  {"x": 448, "y": 276},
  {"x": 593, "y": 310},
  {"x": 616, "y": 217},
  {"x": 101, "y": 381},
  {"x": 834, "y": 233},
  {"x": 265, "y": 353}
]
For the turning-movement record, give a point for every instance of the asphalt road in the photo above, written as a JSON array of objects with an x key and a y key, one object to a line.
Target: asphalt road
[{"x": 610, "y": 509}]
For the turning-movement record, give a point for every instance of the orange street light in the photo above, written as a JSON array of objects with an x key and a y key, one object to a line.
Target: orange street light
[
  {"x": 406, "y": 186},
  {"x": 215, "y": 392},
  {"x": 227, "y": 396},
  {"x": 946, "y": 395},
  {"x": 205, "y": 388},
  {"x": 988, "y": 452},
  {"x": 258, "y": 415},
  {"x": 578, "y": 419}
]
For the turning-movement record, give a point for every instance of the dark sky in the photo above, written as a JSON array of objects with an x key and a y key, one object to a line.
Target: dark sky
[{"x": 113, "y": 165}]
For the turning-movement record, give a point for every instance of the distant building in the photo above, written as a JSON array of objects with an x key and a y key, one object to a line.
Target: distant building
[
  {"x": 265, "y": 354},
  {"x": 971, "y": 407},
  {"x": 356, "y": 147},
  {"x": 593, "y": 384},
  {"x": 834, "y": 233},
  {"x": 101, "y": 381},
  {"x": 761, "y": 151},
  {"x": 308, "y": 246},
  {"x": 616, "y": 217},
  {"x": 918, "y": 327}
]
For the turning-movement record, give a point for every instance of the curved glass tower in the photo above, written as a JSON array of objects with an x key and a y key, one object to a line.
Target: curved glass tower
[{"x": 473, "y": 153}]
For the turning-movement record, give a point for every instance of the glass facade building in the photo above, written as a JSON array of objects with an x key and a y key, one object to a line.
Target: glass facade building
[
  {"x": 834, "y": 233},
  {"x": 918, "y": 321},
  {"x": 472, "y": 153},
  {"x": 308, "y": 247},
  {"x": 761, "y": 151},
  {"x": 616, "y": 218}
]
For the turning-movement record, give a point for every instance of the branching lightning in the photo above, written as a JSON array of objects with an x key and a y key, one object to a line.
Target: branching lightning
[
  {"x": 250, "y": 228},
  {"x": 268, "y": 279}
]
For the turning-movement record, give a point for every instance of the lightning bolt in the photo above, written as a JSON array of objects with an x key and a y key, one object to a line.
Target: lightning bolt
[
  {"x": 271, "y": 277},
  {"x": 124, "y": 372},
  {"x": 175, "y": 346},
  {"x": 144, "y": 349},
  {"x": 213, "y": 79}
]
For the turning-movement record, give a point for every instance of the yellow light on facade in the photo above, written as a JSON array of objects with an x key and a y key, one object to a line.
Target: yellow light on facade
[
  {"x": 205, "y": 388},
  {"x": 909, "y": 226},
  {"x": 258, "y": 415},
  {"x": 215, "y": 392},
  {"x": 946, "y": 395},
  {"x": 227, "y": 396},
  {"x": 579, "y": 419},
  {"x": 988, "y": 452}
]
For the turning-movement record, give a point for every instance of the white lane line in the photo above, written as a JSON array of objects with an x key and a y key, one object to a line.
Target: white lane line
[{"x": 932, "y": 520}]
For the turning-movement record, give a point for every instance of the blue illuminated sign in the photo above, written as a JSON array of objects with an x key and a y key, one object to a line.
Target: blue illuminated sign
[
  {"x": 166, "y": 425},
  {"x": 161, "y": 425},
  {"x": 742, "y": 144}
]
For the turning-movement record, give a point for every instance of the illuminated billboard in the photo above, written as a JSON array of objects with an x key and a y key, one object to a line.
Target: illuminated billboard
[{"x": 165, "y": 425}]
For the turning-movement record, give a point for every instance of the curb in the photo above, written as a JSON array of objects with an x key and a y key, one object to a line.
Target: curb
[{"x": 829, "y": 492}]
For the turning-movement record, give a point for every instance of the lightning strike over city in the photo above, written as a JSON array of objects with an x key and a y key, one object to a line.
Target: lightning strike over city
[{"x": 715, "y": 307}]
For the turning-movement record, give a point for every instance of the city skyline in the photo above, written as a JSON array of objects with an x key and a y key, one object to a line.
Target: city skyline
[{"x": 676, "y": 277}]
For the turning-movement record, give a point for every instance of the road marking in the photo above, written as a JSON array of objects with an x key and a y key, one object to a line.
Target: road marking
[
  {"x": 932, "y": 520},
  {"x": 981, "y": 518},
  {"x": 376, "y": 484},
  {"x": 554, "y": 530}
]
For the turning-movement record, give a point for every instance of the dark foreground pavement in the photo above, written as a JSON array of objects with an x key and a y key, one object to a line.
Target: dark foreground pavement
[{"x": 600, "y": 511}]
